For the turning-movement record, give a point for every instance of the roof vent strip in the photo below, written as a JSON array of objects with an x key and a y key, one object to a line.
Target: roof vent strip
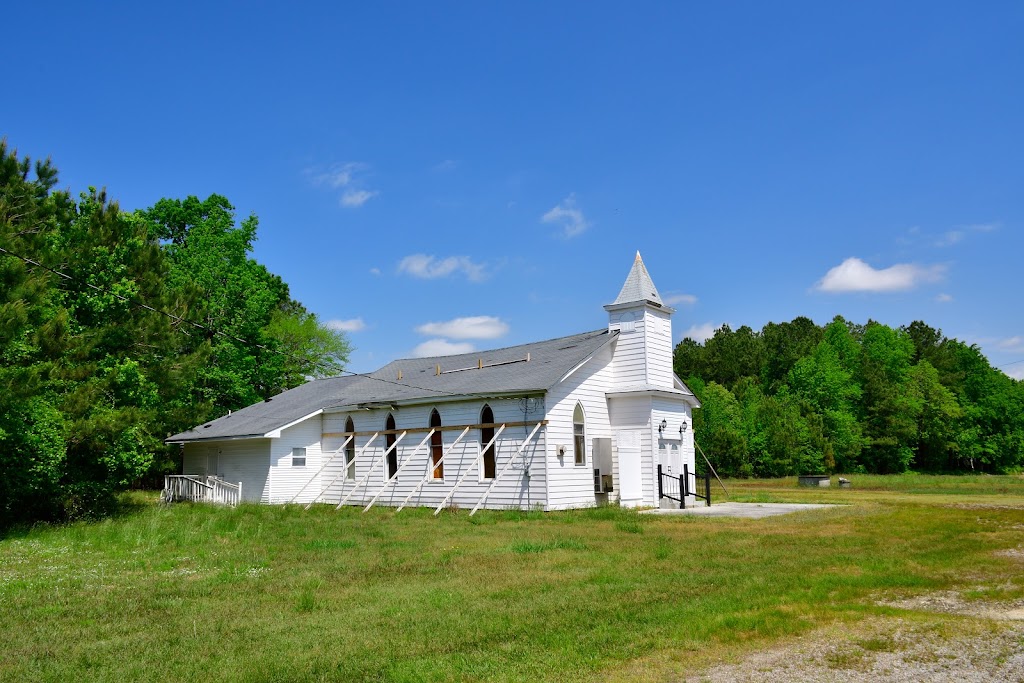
[{"x": 480, "y": 365}]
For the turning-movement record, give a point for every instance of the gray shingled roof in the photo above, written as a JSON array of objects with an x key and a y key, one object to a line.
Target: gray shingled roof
[
  {"x": 638, "y": 286},
  {"x": 504, "y": 371}
]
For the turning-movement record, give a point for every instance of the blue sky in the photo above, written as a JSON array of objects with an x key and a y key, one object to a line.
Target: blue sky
[{"x": 468, "y": 175}]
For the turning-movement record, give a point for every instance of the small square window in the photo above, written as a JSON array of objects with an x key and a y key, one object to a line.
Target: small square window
[{"x": 298, "y": 457}]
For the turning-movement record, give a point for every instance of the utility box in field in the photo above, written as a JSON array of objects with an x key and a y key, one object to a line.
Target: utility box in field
[{"x": 602, "y": 449}]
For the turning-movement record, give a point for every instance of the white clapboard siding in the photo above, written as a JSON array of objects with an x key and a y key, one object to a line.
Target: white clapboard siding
[
  {"x": 286, "y": 480},
  {"x": 242, "y": 461},
  {"x": 634, "y": 413},
  {"x": 514, "y": 489},
  {"x": 658, "y": 341},
  {"x": 571, "y": 485},
  {"x": 630, "y": 365}
]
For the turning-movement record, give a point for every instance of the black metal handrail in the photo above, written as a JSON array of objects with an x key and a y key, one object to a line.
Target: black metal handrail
[{"x": 678, "y": 488}]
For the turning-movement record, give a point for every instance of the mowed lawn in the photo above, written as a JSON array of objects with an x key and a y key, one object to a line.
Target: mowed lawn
[{"x": 280, "y": 594}]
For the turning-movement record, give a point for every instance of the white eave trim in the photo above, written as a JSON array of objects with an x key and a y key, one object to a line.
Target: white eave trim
[
  {"x": 276, "y": 434},
  {"x": 241, "y": 437},
  {"x": 660, "y": 393}
]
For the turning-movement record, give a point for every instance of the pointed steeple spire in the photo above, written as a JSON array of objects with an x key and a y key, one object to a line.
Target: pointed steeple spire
[{"x": 638, "y": 286}]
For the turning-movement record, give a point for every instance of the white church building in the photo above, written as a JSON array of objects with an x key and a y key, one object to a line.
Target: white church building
[{"x": 562, "y": 423}]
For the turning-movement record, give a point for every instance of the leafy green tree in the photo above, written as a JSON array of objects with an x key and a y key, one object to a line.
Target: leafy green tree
[
  {"x": 890, "y": 409},
  {"x": 938, "y": 422},
  {"x": 32, "y": 336},
  {"x": 828, "y": 389},
  {"x": 718, "y": 429},
  {"x": 784, "y": 345},
  {"x": 268, "y": 342}
]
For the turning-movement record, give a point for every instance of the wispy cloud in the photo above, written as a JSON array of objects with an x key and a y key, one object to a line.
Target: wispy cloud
[
  {"x": 676, "y": 299},
  {"x": 374, "y": 271},
  {"x": 445, "y": 166},
  {"x": 441, "y": 347},
  {"x": 569, "y": 216},
  {"x": 950, "y": 238},
  {"x": 473, "y": 327},
  {"x": 854, "y": 275},
  {"x": 1011, "y": 344},
  {"x": 1015, "y": 371},
  {"x": 701, "y": 333},
  {"x": 429, "y": 267},
  {"x": 944, "y": 298},
  {"x": 347, "y": 177},
  {"x": 355, "y": 198},
  {"x": 353, "y": 325}
]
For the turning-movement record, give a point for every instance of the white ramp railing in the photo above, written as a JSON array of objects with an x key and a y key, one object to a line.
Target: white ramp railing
[{"x": 201, "y": 489}]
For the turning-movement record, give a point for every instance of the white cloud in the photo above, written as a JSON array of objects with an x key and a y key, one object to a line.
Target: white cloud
[
  {"x": 950, "y": 238},
  {"x": 675, "y": 299},
  {"x": 356, "y": 198},
  {"x": 854, "y": 275},
  {"x": 568, "y": 216},
  {"x": 441, "y": 347},
  {"x": 374, "y": 271},
  {"x": 346, "y": 177},
  {"x": 944, "y": 298},
  {"x": 446, "y": 165},
  {"x": 1011, "y": 344},
  {"x": 1015, "y": 371},
  {"x": 701, "y": 333},
  {"x": 431, "y": 267},
  {"x": 353, "y": 325},
  {"x": 983, "y": 227},
  {"x": 474, "y": 327}
]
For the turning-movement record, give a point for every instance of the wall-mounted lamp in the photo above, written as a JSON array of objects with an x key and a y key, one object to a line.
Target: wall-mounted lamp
[
  {"x": 682, "y": 427},
  {"x": 663, "y": 426}
]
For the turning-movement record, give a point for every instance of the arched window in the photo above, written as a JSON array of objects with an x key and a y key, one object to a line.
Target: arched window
[
  {"x": 579, "y": 437},
  {"x": 436, "y": 445},
  {"x": 350, "y": 449},
  {"x": 486, "y": 434},
  {"x": 389, "y": 441}
]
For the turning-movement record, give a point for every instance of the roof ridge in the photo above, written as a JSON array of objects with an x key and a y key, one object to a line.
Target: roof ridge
[{"x": 470, "y": 354}]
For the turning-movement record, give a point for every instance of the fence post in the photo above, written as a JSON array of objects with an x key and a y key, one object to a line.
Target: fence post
[
  {"x": 660, "y": 492},
  {"x": 707, "y": 488}
]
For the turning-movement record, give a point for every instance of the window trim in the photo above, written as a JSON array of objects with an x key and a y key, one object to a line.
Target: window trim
[
  {"x": 350, "y": 449},
  {"x": 298, "y": 460},
  {"x": 389, "y": 441},
  {"x": 481, "y": 452},
  {"x": 436, "y": 449},
  {"x": 579, "y": 441}
]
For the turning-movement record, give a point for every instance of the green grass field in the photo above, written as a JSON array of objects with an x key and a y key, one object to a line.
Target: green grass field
[{"x": 279, "y": 594}]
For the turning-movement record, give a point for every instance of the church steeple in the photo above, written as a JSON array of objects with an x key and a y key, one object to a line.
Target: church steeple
[
  {"x": 638, "y": 287},
  {"x": 643, "y": 352}
]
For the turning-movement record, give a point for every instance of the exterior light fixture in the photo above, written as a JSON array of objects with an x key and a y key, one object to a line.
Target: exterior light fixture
[
  {"x": 663, "y": 426},
  {"x": 682, "y": 427}
]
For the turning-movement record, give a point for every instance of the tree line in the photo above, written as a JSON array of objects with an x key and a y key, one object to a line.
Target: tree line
[
  {"x": 120, "y": 328},
  {"x": 798, "y": 398}
]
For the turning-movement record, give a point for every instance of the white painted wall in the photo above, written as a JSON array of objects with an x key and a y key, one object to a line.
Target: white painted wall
[
  {"x": 287, "y": 480},
  {"x": 571, "y": 485},
  {"x": 514, "y": 489},
  {"x": 633, "y": 413},
  {"x": 244, "y": 460}
]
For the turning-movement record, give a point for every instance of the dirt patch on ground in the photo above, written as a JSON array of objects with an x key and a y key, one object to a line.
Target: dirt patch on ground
[
  {"x": 888, "y": 650},
  {"x": 986, "y": 647},
  {"x": 952, "y": 602}
]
